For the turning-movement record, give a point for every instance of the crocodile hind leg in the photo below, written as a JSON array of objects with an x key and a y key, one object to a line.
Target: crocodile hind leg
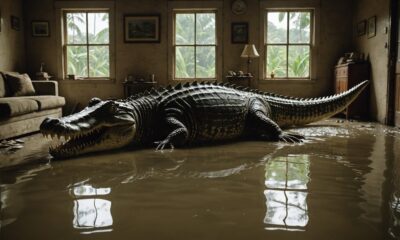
[
  {"x": 178, "y": 134},
  {"x": 263, "y": 127}
]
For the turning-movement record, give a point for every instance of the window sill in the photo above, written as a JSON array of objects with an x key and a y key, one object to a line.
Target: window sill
[
  {"x": 302, "y": 81},
  {"x": 85, "y": 81},
  {"x": 184, "y": 80}
]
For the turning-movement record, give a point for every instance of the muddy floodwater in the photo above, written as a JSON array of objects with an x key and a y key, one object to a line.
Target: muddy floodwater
[{"x": 342, "y": 183}]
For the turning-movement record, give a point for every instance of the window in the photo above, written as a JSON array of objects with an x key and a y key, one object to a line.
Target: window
[
  {"x": 195, "y": 45},
  {"x": 87, "y": 44},
  {"x": 288, "y": 44}
]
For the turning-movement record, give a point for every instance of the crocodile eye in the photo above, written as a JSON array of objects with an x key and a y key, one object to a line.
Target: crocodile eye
[
  {"x": 94, "y": 101},
  {"x": 110, "y": 106}
]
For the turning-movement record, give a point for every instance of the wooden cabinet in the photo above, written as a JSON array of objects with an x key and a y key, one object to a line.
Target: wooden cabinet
[
  {"x": 347, "y": 76},
  {"x": 132, "y": 88},
  {"x": 244, "y": 81}
]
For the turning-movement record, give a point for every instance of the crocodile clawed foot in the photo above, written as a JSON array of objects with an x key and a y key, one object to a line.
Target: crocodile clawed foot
[
  {"x": 161, "y": 145},
  {"x": 291, "y": 138}
]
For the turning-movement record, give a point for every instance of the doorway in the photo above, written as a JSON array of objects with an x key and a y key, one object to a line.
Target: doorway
[{"x": 394, "y": 65}]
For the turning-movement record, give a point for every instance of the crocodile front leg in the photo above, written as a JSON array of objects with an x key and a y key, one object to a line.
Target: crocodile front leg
[
  {"x": 178, "y": 134},
  {"x": 264, "y": 127}
]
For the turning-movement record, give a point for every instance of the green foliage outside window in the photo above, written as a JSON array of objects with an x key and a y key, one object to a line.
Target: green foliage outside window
[
  {"x": 288, "y": 44},
  {"x": 88, "y": 38},
  {"x": 195, "y": 45}
]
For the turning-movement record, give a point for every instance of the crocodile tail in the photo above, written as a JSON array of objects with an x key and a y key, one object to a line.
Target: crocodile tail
[{"x": 294, "y": 112}]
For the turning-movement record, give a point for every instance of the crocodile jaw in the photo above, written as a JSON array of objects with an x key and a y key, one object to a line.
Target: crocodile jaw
[{"x": 93, "y": 140}]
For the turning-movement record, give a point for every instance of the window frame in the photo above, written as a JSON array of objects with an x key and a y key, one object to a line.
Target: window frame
[
  {"x": 280, "y": 5},
  {"x": 191, "y": 6},
  {"x": 288, "y": 44},
  {"x": 60, "y": 7},
  {"x": 87, "y": 44},
  {"x": 194, "y": 45}
]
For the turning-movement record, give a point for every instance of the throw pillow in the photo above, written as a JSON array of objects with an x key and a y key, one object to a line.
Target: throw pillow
[{"x": 19, "y": 85}]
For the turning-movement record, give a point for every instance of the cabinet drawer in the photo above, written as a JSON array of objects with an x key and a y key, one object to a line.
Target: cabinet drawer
[
  {"x": 341, "y": 84},
  {"x": 342, "y": 72}
]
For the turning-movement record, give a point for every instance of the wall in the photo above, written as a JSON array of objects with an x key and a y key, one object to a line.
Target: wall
[
  {"x": 375, "y": 49},
  {"x": 335, "y": 39},
  {"x": 12, "y": 48}
]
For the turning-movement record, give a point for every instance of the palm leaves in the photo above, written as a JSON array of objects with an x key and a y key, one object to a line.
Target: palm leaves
[
  {"x": 288, "y": 50},
  {"x": 88, "y": 52},
  {"x": 195, "y": 50}
]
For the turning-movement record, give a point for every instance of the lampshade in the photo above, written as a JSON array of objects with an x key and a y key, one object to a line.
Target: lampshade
[{"x": 249, "y": 51}]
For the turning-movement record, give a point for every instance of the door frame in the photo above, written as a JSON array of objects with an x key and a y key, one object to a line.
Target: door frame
[{"x": 392, "y": 55}]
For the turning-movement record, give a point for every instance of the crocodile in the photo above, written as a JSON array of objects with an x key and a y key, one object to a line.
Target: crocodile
[{"x": 187, "y": 115}]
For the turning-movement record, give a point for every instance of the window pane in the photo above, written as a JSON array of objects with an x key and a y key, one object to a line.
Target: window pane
[
  {"x": 276, "y": 61},
  {"x": 76, "y": 28},
  {"x": 98, "y": 28},
  {"x": 299, "y": 61},
  {"x": 277, "y": 27},
  {"x": 299, "y": 27},
  {"x": 205, "y": 62},
  {"x": 184, "y": 62},
  {"x": 205, "y": 28},
  {"x": 77, "y": 61},
  {"x": 99, "y": 61},
  {"x": 184, "y": 29}
]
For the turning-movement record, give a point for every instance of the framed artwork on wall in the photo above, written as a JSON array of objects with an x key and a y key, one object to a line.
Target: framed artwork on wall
[
  {"x": 240, "y": 32},
  {"x": 40, "y": 29},
  {"x": 361, "y": 28},
  {"x": 371, "y": 27},
  {"x": 142, "y": 28},
  {"x": 15, "y": 23}
]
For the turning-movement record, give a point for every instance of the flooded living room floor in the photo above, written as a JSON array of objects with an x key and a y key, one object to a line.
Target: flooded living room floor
[{"x": 343, "y": 182}]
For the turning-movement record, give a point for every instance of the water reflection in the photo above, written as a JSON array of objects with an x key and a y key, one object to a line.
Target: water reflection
[
  {"x": 91, "y": 214},
  {"x": 394, "y": 187},
  {"x": 286, "y": 181}
]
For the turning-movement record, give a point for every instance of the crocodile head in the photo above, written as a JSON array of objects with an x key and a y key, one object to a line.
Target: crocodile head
[{"x": 100, "y": 126}]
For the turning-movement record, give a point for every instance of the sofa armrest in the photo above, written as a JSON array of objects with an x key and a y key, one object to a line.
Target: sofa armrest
[{"x": 45, "y": 87}]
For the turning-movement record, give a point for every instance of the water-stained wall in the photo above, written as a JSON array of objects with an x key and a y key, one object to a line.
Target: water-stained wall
[
  {"x": 335, "y": 39},
  {"x": 12, "y": 46},
  {"x": 375, "y": 49}
]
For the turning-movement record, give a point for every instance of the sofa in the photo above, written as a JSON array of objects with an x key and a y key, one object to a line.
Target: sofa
[{"x": 21, "y": 114}]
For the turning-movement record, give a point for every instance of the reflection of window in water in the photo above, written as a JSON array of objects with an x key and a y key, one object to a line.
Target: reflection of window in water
[
  {"x": 286, "y": 181},
  {"x": 92, "y": 213},
  {"x": 394, "y": 229}
]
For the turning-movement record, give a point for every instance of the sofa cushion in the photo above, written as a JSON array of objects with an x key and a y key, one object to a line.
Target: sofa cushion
[
  {"x": 2, "y": 86},
  {"x": 48, "y": 101},
  {"x": 19, "y": 84},
  {"x": 15, "y": 106}
]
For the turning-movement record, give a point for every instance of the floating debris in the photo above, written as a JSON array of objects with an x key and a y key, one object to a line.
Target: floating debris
[
  {"x": 368, "y": 126},
  {"x": 10, "y": 146}
]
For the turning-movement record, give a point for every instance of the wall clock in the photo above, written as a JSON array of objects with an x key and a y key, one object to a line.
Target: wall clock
[{"x": 239, "y": 7}]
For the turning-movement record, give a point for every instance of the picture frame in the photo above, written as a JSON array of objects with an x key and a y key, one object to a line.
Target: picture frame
[
  {"x": 240, "y": 32},
  {"x": 40, "y": 29},
  {"x": 142, "y": 28},
  {"x": 15, "y": 23},
  {"x": 362, "y": 28},
  {"x": 371, "y": 27}
]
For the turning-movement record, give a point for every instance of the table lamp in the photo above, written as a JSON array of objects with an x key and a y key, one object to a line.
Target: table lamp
[{"x": 249, "y": 52}]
